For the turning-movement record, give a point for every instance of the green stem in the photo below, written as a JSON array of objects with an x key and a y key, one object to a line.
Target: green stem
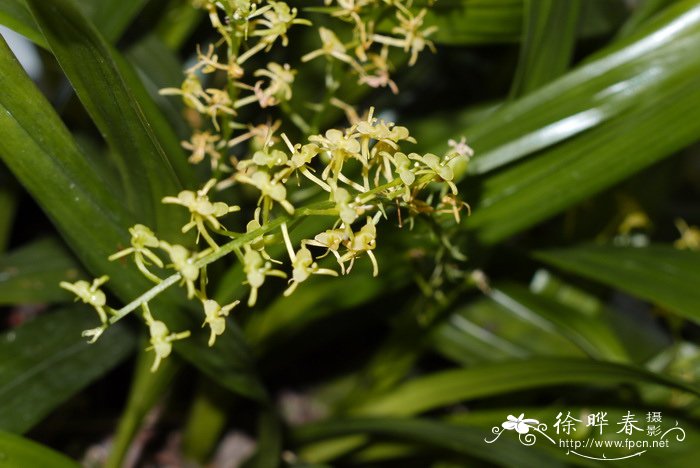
[
  {"x": 205, "y": 422},
  {"x": 146, "y": 390},
  {"x": 313, "y": 210}
]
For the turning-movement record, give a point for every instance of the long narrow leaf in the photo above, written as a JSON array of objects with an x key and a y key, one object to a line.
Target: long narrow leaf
[
  {"x": 46, "y": 361},
  {"x": 461, "y": 440},
  {"x": 625, "y": 74},
  {"x": 658, "y": 273},
  {"x": 548, "y": 43},
  {"x": 453, "y": 386},
  {"x": 18, "y": 451},
  {"x": 644, "y": 89},
  {"x": 110, "y": 16},
  {"x": 31, "y": 273},
  {"x": 85, "y": 57}
]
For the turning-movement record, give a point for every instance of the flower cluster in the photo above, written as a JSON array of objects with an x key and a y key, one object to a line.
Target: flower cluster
[
  {"x": 250, "y": 28},
  {"x": 352, "y": 177}
]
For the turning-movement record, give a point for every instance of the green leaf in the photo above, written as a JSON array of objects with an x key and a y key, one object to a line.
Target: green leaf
[
  {"x": 462, "y": 440},
  {"x": 641, "y": 337},
  {"x": 14, "y": 15},
  {"x": 473, "y": 22},
  {"x": 643, "y": 12},
  {"x": 206, "y": 420},
  {"x": 30, "y": 274},
  {"x": 661, "y": 274},
  {"x": 591, "y": 333},
  {"x": 8, "y": 207},
  {"x": 18, "y": 451},
  {"x": 46, "y": 361},
  {"x": 454, "y": 386},
  {"x": 178, "y": 22},
  {"x": 43, "y": 156},
  {"x": 111, "y": 17},
  {"x": 643, "y": 88},
  {"x": 487, "y": 331},
  {"x": 159, "y": 68},
  {"x": 269, "y": 442},
  {"x": 549, "y": 35},
  {"x": 88, "y": 63}
]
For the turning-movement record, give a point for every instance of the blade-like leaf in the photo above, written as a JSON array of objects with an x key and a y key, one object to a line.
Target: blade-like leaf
[
  {"x": 590, "y": 333},
  {"x": 623, "y": 75},
  {"x": 8, "y": 206},
  {"x": 18, "y": 451},
  {"x": 269, "y": 443},
  {"x": 642, "y": 13},
  {"x": 46, "y": 361},
  {"x": 87, "y": 61},
  {"x": 658, "y": 273},
  {"x": 31, "y": 273},
  {"x": 158, "y": 68},
  {"x": 644, "y": 90},
  {"x": 462, "y": 440},
  {"x": 549, "y": 34},
  {"x": 453, "y": 386},
  {"x": 14, "y": 15},
  {"x": 476, "y": 21},
  {"x": 111, "y": 17},
  {"x": 462, "y": 22},
  {"x": 488, "y": 331},
  {"x": 41, "y": 153}
]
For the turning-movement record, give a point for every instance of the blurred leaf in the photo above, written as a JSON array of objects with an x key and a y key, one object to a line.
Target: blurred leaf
[
  {"x": 466, "y": 22},
  {"x": 14, "y": 15},
  {"x": 658, "y": 273},
  {"x": 457, "y": 439},
  {"x": 608, "y": 85},
  {"x": 549, "y": 36},
  {"x": 638, "y": 332},
  {"x": 488, "y": 331},
  {"x": 206, "y": 420},
  {"x": 111, "y": 17},
  {"x": 452, "y": 386},
  {"x": 268, "y": 453},
  {"x": 162, "y": 127},
  {"x": 46, "y": 361},
  {"x": 591, "y": 333},
  {"x": 642, "y": 12},
  {"x": 159, "y": 68},
  {"x": 20, "y": 452},
  {"x": 643, "y": 89},
  {"x": 31, "y": 273},
  {"x": 475, "y": 21},
  {"x": 8, "y": 206},
  {"x": 88, "y": 63},
  {"x": 177, "y": 23}
]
